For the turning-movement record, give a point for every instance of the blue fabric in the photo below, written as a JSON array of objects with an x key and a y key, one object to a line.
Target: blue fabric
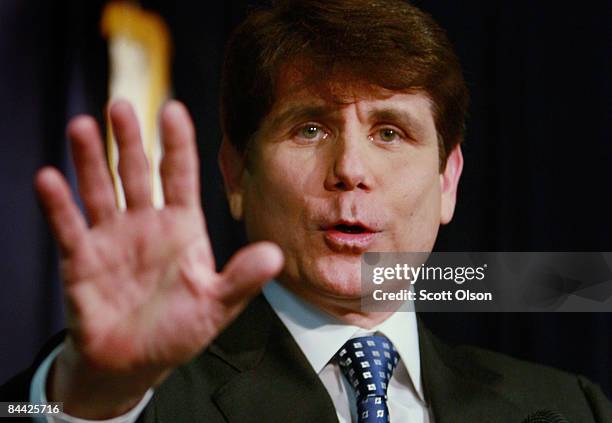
[{"x": 368, "y": 363}]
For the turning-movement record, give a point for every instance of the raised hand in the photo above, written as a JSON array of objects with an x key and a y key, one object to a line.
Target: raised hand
[{"x": 141, "y": 288}]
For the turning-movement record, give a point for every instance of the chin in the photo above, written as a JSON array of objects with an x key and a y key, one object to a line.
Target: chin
[{"x": 338, "y": 278}]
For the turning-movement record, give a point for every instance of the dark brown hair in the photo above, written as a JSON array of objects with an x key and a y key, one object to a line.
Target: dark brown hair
[{"x": 385, "y": 43}]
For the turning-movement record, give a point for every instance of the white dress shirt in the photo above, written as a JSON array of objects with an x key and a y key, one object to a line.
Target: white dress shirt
[{"x": 319, "y": 336}]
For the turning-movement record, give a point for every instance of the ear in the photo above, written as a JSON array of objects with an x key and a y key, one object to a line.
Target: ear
[
  {"x": 449, "y": 179},
  {"x": 231, "y": 163}
]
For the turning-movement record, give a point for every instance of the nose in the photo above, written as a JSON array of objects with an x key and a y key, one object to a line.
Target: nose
[{"x": 348, "y": 168}]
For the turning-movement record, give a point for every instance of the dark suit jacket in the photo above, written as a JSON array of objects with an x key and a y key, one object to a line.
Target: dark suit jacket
[{"x": 255, "y": 372}]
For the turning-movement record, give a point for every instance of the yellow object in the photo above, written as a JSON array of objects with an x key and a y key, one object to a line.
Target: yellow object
[{"x": 139, "y": 53}]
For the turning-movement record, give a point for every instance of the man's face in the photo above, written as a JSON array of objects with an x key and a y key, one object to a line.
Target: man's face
[{"x": 329, "y": 180}]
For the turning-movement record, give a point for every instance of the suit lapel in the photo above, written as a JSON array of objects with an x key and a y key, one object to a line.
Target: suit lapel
[
  {"x": 271, "y": 379},
  {"x": 275, "y": 382},
  {"x": 458, "y": 388}
]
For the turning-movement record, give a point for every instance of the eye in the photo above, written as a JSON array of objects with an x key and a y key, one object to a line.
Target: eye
[
  {"x": 388, "y": 134},
  {"x": 310, "y": 133}
]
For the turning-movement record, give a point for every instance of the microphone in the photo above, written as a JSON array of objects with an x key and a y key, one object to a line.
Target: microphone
[{"x": 545, "y": 416}]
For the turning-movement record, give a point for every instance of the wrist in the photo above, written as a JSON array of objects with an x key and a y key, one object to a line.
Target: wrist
[{"x": 92, "y": 393}]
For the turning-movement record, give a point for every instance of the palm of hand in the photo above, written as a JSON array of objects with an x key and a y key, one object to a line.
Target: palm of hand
[
  {"x": 141, "y": 286},
  {"x": 138, "y": 287}
]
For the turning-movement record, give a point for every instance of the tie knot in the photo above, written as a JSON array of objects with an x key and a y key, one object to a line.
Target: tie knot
[{"x": 368, "y": 363}]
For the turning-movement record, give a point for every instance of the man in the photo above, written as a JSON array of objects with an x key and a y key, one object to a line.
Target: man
[{"x": 342, "y": 124}]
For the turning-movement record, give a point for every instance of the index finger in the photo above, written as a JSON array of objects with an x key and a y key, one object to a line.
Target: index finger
[{"x": 179, "y": 166}]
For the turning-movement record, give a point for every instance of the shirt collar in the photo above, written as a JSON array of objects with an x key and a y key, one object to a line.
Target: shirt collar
[{"x": 320, "y": 335}]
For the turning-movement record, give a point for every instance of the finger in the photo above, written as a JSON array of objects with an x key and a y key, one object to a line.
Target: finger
[
  {"x": 95, "y": 185},
  {"x": 133, "y": 166},
  {"x": 248, "y": 270},
  {"x": 67, "y": 222},
  {"x": 179, "y": 166}
]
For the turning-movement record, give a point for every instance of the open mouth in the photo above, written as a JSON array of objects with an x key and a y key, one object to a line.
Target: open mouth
[
  {"x": 350, "y": 229},
  {"x": 349, "y": 237}
]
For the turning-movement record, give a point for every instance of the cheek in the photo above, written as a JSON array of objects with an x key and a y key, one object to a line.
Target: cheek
[
  {"x": 275, "y": 197},
  {"x": 415, "y": 208}
]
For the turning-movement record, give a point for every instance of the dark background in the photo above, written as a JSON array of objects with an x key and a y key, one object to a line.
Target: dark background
[{"x": 538, "y": 152}]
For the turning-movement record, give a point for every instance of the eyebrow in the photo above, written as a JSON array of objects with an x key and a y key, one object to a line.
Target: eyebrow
[{"x": 301, "y": 112}]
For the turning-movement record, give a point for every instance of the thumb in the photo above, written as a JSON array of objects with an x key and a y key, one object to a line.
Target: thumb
[{"x": 248, "y": 270}]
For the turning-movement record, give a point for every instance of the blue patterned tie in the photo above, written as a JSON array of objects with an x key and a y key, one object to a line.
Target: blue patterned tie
[{"x": 368, "y": 363}]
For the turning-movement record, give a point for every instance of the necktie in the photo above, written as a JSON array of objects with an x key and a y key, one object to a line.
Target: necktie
[{"x": 368, "y": 363}]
